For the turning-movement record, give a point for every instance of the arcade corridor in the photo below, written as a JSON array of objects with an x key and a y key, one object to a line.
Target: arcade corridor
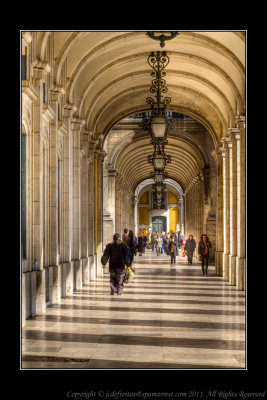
[
  {"x": 165, "y": 318},
  {"x": 120, "y": 130}
]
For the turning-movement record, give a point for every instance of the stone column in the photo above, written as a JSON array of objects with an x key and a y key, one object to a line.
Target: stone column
[
  {"x": 54, "y": 270},
  {"x": 84, "y": 207},
  {"x": 219, "y": 213},
  {"x": 100, "y": 154},
  {"x": 226, "y": 208},
  {"x": 109, "y": 205},
  {"x": 241, "y": 203},
  {"x": 136, "y": 216},
  {"x": 234, "y": 137},
  {"x": 76, "y": 125},
  {"x": 91, "y": 210},
  {"x": 182, "y": 215},
  {"x": 37, "y": 278},
  {"x": 67, "y": 276}
]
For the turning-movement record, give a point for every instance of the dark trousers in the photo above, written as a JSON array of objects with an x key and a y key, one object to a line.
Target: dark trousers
[
  {"x": 190, "y": 256},
  {"x": 131, "y": 256},
  {"x": 173, "y": 258},
  {"x": 116, "y": 281},
  {"x": 205, "y": 262}
]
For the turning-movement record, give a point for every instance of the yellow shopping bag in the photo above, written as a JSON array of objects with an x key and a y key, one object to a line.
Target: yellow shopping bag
[{"x": 130, "y": 273}]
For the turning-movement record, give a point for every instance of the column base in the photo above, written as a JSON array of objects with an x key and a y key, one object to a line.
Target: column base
[
  {"x": 85, "y": 270},
  {"x": 91, "y": 268},
  {"x": 226, "y": 267},
  {"x": 54, "y": 284},
  {"x": 69, "y": 277},
  {"x": 77, "y": 274},
  {"x": 219, "y": 263},
  {"x": 26, "y": 295},
  {"x": 38, "y": 303},
  {"x": 232, "y": 273},
  {"x": 63, "y": 280},
  {"x": 241, "y": 262}
]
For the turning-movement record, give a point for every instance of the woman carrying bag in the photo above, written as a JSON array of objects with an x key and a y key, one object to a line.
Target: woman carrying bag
[{"x": 203, "y": 251}]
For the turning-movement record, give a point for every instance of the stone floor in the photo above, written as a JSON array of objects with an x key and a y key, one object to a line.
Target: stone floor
[{"x": 166, "y": 318}]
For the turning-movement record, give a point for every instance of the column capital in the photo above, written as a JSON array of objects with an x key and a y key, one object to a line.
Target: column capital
[
  {"x": 234, "y": 134},
  {"x": 226, "y": 142},
  {"x": 100, "y": 154},
  {"x": 69, "y": 110},
  {"x": 41, "y": 65},
  {"x": 57, "y": 92},
  {"x": 240, "y": 121},
  {"x": 112, "y": 172},
  {"x": 222, "y": 151},
  {"x": 216, "y": 154},
  {"x": 77, "y": 123}
]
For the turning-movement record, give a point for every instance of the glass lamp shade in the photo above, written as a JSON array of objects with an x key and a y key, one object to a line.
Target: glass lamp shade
[
  {"x": 158, "y": 127},
  {"x": 158, "y": 178},
  {"x": 159, "y": 161}
]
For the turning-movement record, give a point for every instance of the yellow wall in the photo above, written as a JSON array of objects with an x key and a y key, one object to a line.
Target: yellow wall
[
  {"x": 173, "y": 218},
  {"x": 172, "y": 198},
  {"x": 144, "y": 199},
  {"x": 143, "y": 218}
]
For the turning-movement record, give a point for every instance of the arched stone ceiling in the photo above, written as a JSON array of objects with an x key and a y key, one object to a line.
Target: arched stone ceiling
[
  {"x": 109, "y": 78},
  {"x": 186, "y": 162},
  {"x": 170, "y": 184}
]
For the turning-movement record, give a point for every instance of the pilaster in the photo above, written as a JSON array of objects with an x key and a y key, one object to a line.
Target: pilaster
[
  {"x": 241, "y": 203},
  {"x": 219, "y": 213},
  {"x": 234, "y": 136},
  {"x": 99, "y": 157},
  {"x": 226, "y": 208},
  {"x": 75, "y": 128}
]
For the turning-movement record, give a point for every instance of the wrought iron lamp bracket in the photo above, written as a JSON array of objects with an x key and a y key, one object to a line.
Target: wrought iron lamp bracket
[{"x": 162, "y": 37}]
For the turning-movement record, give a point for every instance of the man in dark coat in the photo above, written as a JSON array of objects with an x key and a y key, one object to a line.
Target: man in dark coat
[
  {"x": 172, "y": 250},
  {"x": 145, "y": 240},
  {"x": 190, "y": 248},
  {"x": 140, "y": 245},
  {"x": 203, "y": 251},
  {"x": 166, "y": 241},
  {"x": 131, "y": 243},
  {"x": 118, "y": 255}
]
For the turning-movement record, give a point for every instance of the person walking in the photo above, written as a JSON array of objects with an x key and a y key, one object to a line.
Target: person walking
[
  {"x": 190, "y": 248},
  {"x": 175, "y": 239},
  {"x": 162, "y": 235},
  {"x": 166, "y": 241},
  {"x": 172, "y": 250},
  {"x": 203, "y": 251},
  {"x": 153, "y": 241},
  {"x": 117, "y": 253},
  {"x": 145, "y": 240},
  {"x": 132, "y": 248},
  {"x": 158, "y": 242},
  {"x": 125, "y": 235},
  {"x": 140, "y": 245}
]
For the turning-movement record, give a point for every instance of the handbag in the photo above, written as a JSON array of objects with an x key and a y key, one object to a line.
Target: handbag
[
  {"x": 130, "y": 273},
  {"x": 183, "y": 254}
]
